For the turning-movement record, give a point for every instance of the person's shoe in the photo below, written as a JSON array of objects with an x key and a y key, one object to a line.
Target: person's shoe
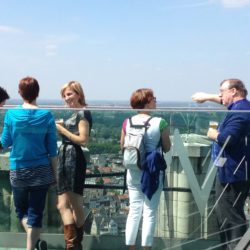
[{"x": 41, "y": 245}]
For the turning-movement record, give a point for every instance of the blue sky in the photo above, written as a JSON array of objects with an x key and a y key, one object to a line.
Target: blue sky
[{"x": 175, "y": 47}]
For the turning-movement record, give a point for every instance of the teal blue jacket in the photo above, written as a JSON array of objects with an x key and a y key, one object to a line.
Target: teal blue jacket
[{"x": 31, "y": 134}]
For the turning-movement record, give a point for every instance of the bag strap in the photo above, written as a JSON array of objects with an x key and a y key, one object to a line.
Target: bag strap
[
  {"x": 124, "y": 181},
  {"x": 145, "y": 125}
]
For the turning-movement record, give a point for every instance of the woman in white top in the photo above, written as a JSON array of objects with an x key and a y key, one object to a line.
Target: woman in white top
[{"x": 157, "y": 131}]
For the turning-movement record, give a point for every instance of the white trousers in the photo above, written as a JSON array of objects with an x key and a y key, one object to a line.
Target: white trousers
[{"x": 141, "y": 206}]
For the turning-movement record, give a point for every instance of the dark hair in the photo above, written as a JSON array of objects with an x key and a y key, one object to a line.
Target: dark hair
[
  {"x": 238, "y": 85},
  {"x": 140, "y": 98},
  {"x": 29, "y": 89},
  {"x": 3, "y": 95}
]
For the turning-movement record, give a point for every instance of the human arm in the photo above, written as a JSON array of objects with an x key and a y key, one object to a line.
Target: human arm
[
  {"x": 51, "y": 144},
  {"x": 201, "y": 97},
  {"x": 81, "y": 139},
  {"x": 53, "y": 163},
  {"x": 6, "y": 140},
  {"x": 165, "y": 140},
  {"x": 122, "y": 139},
  {"x": 123, "y": 133},
  {"x": 234, "y": 127}
]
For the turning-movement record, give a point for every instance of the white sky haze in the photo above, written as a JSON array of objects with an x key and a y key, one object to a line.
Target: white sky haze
[{"x": 175, "y": 47}]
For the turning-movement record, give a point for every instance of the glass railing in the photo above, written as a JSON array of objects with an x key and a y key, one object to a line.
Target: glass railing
[{"x": 186, "y": 214}]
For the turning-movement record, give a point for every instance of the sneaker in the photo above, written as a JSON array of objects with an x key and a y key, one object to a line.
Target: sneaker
[{"x": 41, "y": 245}]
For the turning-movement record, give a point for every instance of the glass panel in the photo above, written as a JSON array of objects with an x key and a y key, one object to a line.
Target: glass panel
[{"x": 186, "y": 213}]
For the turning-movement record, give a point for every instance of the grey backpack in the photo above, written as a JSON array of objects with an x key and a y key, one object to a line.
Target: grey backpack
[{"x": 134, "y": 154}]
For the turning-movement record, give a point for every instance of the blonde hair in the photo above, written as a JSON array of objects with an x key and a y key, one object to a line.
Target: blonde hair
[{"x": 77, "y": 88}]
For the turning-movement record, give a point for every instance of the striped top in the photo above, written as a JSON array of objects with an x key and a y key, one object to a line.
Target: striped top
[{"x": 37, "y": 176}]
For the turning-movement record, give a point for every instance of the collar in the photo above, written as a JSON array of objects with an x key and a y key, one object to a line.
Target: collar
[{"x": 235, "y": 103}]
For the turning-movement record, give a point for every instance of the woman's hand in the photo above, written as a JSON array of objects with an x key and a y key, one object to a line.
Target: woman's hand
[{"x": 59, "y": 128}]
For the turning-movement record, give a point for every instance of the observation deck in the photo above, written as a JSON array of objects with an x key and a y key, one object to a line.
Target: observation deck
[{"x": 186, "y": 217}]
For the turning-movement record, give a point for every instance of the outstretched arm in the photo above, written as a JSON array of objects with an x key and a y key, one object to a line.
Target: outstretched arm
[{"x": 201, "y": 97}]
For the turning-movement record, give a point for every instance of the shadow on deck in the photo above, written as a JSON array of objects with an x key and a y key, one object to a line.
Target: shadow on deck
[{"x": 17, "y": 241}]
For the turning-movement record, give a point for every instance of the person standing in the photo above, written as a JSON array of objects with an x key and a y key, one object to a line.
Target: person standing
[
  {"x": 232, "y": 182},
  {"x": 140, "y": 204},
  {"x": 3, "y": 96},
  {"x": 72, "y": 164},
  {"x": 31, "y": 134}
]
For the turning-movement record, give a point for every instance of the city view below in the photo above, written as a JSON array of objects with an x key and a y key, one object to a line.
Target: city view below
[{"x": 186, "y": 208}]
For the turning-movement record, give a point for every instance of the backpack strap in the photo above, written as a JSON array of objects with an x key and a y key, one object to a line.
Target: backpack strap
[
  {"x": 145, "y": 125},
  {"x": 124, "y": 181},
  {"x": 147, "y": 122}
]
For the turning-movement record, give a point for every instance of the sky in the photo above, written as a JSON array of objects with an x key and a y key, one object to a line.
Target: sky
[{"x": 113, "y": 47}]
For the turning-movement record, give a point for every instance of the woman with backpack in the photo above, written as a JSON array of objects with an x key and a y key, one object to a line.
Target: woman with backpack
[{"x": 156, "y": 133}]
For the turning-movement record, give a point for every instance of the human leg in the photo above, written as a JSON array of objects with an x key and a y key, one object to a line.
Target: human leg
[
  {"x": 239, "y": 224},
  {"x": 132, "y": 247},
  {"x": 70, "y": 236},
  {"x": 64, "y": 207},
  {"x": 21, "y": 202},
  {"x": 221, "y": 215},
  {"x": 33, "y": 235},
  {"x": 30, "y": 203},
  {"x": 230, "y": 211},
  {"x": 76, "y": 202},
  {"x": 133, "y": 220},
  {"x": 37, "y": 200},
  {"x": 149, "y": 218}
]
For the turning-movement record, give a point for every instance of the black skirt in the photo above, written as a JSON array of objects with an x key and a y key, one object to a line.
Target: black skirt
[{"x": 71, "y": 169}]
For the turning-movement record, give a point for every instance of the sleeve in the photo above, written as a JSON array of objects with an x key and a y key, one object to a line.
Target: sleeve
[
  {"x": 124, "y": 124},
  {"x": 163, "y": 124},
  {"x": 6, "y": 134},
  {"x": 235, "y": 126},
  {"x": 81, "y": 115},
  {"x": 85, "y": 115},
  {"x": 51, "y": 140}
]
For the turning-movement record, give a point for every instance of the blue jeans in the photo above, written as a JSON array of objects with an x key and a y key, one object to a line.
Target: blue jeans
[{"x": 30, "y": 204}]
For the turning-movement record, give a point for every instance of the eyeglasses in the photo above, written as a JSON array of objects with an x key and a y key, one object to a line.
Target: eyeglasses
[
  {"x": 153, "y": 99},
  {"x": 223, "y": 90}
]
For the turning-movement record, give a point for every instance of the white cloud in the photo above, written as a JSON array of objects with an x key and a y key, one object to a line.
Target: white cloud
[
  {"x": 9, "y": 29},
  {"x": 201, "y": 3},
  {"x": 51, "y": 49},
  {"x": 52, "y": 43},
  {"x": 191, "y": 4},
  {"x": 235, "y": 3}
]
